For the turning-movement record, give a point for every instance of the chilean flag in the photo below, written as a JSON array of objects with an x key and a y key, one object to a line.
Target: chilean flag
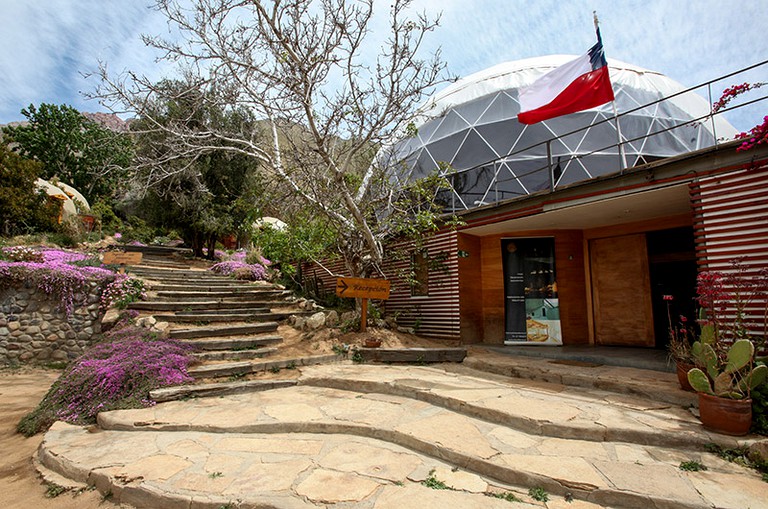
[{"x": 579, "y": 85}]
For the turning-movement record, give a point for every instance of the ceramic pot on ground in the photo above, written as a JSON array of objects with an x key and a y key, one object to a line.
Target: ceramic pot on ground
[
  {"x": 371, "y": 343},
  {"x": 723, "y": 415},
  {"x": 682, "y": 375}
]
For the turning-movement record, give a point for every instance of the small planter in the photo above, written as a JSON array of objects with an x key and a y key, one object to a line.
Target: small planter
[
  {"x": 723, "y": 415},
  {"x": 371, "y": 343},
  {"x": 682, "y": 375}
]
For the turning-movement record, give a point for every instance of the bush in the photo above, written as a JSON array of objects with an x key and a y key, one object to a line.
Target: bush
[
  {"x": 240, "y": 270},
  {"x": 109, "y": 376},
  {"x": 760, "y": 409},
  {"x": 122, "y": 291},
  {"x": 23, "y": 208}
]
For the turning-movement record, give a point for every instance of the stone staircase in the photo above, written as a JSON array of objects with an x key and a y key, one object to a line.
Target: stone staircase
[{"x": 233, "y": 325}]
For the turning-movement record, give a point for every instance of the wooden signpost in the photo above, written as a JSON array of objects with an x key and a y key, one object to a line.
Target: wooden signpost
[
  {"x": 355, "y": 287},
  {"x": 121, "y": 258}
]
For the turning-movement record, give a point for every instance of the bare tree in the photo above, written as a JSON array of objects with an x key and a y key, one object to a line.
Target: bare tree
[{"x": 329, "y": 89}]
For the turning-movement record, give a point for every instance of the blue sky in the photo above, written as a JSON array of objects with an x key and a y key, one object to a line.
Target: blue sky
[{"x": 48, "y": 45}]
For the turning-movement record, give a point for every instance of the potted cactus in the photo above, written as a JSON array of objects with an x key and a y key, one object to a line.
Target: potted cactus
[{"x": 725, "y": 383}]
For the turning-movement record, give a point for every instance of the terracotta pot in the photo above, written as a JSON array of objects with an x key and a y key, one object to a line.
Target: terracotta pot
[
  {"x": 723, "y": 415},
  {"x": 371, "y": 343},
  {"x": 682, "y": 375}
]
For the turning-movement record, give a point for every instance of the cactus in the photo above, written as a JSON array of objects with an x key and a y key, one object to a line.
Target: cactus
[
  {"x": 699, "y": 381},
  {"x": 739, "y": 355},
  {"x": 732, "y": 378}
]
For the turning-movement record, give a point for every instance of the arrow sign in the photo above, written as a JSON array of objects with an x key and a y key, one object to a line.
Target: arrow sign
[{"x": 355, "y": 287}]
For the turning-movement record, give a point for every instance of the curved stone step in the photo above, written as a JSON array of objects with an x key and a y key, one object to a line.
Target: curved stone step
[
  {"x": 227, "y": 369},
  {"x": 216, "y": 389},
  {"x": 609, "y": 473},
  {"x": 234, "y": 355}
]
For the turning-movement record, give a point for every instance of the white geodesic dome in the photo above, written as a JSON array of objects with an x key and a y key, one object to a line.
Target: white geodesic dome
[{"x": 470, "y": 129}]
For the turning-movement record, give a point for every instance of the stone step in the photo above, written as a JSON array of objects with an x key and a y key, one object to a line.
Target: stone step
[
  {"x": 153, "y": 305},
  {"x": 413, "y": 355},
  {"x": 203, "y": 318},
  {"x": 247, "y": 294},
  {"x": 214, "y": 311},
  {"x": 216, "y": 389},
  {"x": 231, "y": 344},
  {"x": 234, "y": 355},
  {"x": 222, "y": 331},
  {"x": 227, "y": 369},
  {"x": 206, "y": 287},
  {"x": 157, "y": 250}
]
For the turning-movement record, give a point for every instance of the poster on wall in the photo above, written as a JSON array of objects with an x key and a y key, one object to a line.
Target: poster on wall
[{"x": 531, "y": 307}]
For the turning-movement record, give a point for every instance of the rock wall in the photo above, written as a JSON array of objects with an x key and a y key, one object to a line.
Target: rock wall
[{"x": 33, "y": 329}]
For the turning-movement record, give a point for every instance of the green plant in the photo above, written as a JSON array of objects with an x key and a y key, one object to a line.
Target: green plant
[
  {"x": 357, "y": 357},
  {"x": 760, "y": 409},
  {"x": 725, "y": 350},
  {"x": 741, "y": 456},
  {"x": 275, "y": 369},
  {"x": 53, "y": 490},
  {"x": 539, "y": 494},
  {"x": 734, "y": 375},
  {"x": 215, "y": 475},
  {"x": 692, "y": 466},
  {"x": 291, "y": 365},
  {"x": 340, "y": 349},
  {"x": 435, "y": 483},
  {"x": 508, "y": 496}
]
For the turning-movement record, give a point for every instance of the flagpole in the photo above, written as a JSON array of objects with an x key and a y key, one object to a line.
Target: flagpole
[{"x": 622, "y": 154}]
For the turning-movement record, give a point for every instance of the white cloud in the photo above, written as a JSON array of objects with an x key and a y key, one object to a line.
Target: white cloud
[{"x": 48, "y": 43}]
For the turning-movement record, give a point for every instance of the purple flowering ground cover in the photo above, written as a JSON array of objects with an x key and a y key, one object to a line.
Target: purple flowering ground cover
[
  {"x": 117, "y": 372},
  {"x": 241, "y": 270},
  {"x": 114, "y": 374},
  {"x": 65, "y": 275}
]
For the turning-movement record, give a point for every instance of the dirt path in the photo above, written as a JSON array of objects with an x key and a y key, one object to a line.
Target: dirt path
[{"x": 20, "y": 485}]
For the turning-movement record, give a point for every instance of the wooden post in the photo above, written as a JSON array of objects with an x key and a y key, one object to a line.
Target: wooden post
[{"x": 364, "y": 315}]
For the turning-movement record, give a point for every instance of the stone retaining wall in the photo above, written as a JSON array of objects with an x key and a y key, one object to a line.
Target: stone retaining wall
[{"x": 32, "y": 329}]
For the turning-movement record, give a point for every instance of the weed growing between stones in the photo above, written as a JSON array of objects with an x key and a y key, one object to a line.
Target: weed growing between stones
[
  {"x": 435, "y": 483},
  {"x": 539, "y": 494},
  {"x": 741, "y": 456},
  {"x": 692, "y": 466},
  {"x": 115, "y": 374},
  {"x": 53, "y": 490},
  {"x": 509, "y": 497}
]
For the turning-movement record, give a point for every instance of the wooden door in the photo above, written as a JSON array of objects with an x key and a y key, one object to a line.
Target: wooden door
[{"x": 621, "y": 291}]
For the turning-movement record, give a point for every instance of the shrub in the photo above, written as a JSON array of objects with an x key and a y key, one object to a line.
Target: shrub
[
  {"x": 240, "y": 270},
  {"x": 111, "y": 375},
  {"x": 122, "y": 291},
  {"x": 22, "y": 254}
]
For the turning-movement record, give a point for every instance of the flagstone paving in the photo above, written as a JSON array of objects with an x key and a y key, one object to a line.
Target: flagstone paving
[{"x": 383, "y": 437}]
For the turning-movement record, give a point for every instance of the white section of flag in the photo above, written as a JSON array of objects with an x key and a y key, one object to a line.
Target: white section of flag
[{"x": 545, "y": 89}]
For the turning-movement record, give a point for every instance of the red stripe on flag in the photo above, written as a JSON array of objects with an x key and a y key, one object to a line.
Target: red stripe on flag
[{"x": 585, "y": 92}]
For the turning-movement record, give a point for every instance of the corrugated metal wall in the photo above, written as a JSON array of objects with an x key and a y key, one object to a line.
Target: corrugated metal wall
[
  {"x": 435, "y": 315},
  {"x": 731, "y": 223}
]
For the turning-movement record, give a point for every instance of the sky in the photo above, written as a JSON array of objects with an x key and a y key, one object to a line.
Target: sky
[{"x": 50, "y": 46}]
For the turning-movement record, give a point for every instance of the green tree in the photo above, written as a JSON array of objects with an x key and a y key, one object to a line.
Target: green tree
[
  {"x": 23, "y": 207},
  {"x": 72, "y": 149},
  {"x": 202, "y": 195},
  {"x": 330, "y": 85}
]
